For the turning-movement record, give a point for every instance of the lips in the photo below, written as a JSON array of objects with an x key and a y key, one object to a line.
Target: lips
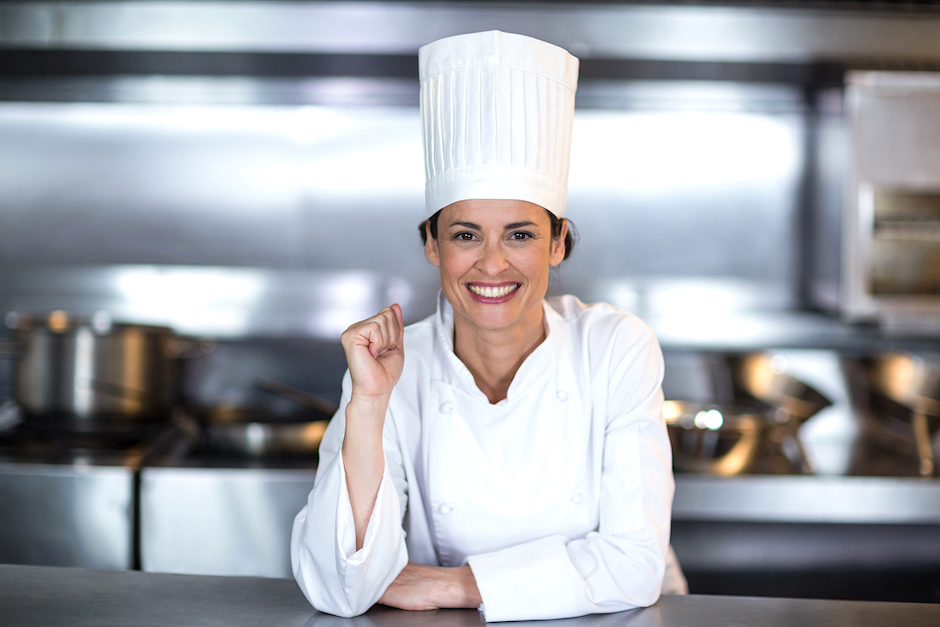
[{"x": 493, "y": 291}]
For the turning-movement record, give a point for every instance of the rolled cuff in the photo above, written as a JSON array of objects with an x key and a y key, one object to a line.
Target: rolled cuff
[
  {"x": 334, "y": 576},
  {"x": 531, "y": 581}
]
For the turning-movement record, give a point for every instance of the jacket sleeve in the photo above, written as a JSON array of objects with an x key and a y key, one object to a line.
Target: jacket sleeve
[
  {"x": 333, "y": 575},
  {"x": 620, "y": 566}
]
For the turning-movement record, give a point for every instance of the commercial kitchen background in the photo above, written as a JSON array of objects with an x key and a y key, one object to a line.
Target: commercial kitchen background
[{"x": 252, "y": 172}]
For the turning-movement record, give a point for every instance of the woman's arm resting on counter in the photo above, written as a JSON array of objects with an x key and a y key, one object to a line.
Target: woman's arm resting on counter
[
  {"x": 621, "y": 565},
  {"x": 420, "y": 587}
]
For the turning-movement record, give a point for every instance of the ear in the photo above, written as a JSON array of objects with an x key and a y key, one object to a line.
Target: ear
[
  {"x": 558, "y": 245},
  {"x": 431, "y": 249}
]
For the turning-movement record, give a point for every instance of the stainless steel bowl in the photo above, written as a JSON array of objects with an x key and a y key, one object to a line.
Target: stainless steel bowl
[{"x": 714, "y": 439}]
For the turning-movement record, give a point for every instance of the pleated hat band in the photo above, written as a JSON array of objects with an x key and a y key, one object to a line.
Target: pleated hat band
[{"x": 497, "y": 111}]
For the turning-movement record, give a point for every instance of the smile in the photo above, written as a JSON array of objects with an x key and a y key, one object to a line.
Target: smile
[{"x": 493, "y": 292}]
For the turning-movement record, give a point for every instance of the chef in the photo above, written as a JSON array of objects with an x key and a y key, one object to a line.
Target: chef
[{"x": 508, "y": 452}]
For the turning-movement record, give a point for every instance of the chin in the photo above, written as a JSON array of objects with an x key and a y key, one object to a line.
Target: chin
[{"x": 488, "y": 317}]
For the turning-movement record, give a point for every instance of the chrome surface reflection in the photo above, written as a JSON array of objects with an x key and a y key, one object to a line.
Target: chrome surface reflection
[
  {"x": 220, "y": 521},
  {"x": 74, "y": 515}
]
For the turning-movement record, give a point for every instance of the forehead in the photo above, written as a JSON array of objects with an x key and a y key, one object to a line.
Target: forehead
[{"x": 493, "y": 213}]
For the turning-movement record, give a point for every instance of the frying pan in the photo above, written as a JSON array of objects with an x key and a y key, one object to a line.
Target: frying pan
[{"x": 259, "y": 432}]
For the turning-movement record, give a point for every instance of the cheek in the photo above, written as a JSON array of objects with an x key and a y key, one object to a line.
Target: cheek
[
  {"x": 454, "y": 261},
  {"x": 533, "y": 264}
]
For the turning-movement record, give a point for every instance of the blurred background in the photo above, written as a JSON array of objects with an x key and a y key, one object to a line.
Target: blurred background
[{"x": 197, "y": 198}]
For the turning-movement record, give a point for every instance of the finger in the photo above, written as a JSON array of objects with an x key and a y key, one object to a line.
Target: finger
[
  {"x": 392, "y": 329},
  {"x": 379, "y": 336},
  {"x": 401, "y": 323},
  {"x": 380, "y": 333}
]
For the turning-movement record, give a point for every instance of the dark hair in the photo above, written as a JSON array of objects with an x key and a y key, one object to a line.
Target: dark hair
[{"x": 570, "y": 237}]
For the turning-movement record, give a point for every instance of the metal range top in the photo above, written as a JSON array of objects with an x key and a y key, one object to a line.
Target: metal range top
[
  {"x": 197, "y": 452},
  {"x": 28, "y": 444}
]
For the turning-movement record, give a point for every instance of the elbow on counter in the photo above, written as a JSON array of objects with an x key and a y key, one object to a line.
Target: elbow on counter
[
  {"x": 659, "y": 570},
  {"x": 322, "y": 587},
  {"x": 336, "y": 578},
  {"x": 642, "y": 579}
]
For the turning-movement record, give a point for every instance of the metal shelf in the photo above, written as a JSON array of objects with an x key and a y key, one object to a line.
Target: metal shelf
[{"x": 807, "y": 499}]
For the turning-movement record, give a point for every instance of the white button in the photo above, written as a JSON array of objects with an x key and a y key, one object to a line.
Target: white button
[
  {"x": 445, "y": 509},
  {"x": 562, "y": 395},
  {"x": 446, "y": 408},
  {"x": 577, "y": 498}
]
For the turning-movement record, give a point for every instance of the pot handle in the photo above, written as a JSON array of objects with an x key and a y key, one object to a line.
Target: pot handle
[
  {"x": 922, "y": 440},
  {"x": 178, "y": 347},
  {"x": 107, "y": 388},
  {"x": 300, "y": 397}
]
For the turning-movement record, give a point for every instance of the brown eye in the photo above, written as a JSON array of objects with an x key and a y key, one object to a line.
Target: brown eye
[{"x": 520, "y": 236}]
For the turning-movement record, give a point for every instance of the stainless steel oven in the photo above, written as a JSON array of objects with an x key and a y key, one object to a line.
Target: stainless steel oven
[{"x": 891, "y": 219}]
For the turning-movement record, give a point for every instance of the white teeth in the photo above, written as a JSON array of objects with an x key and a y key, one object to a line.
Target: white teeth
[{"x": 493, "y": 292}]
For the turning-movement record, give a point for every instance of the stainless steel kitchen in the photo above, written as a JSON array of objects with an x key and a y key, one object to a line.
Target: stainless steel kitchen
[{"x": 198, "y": 197}]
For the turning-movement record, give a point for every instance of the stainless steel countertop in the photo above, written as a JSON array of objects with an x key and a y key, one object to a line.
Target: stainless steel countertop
[{"x": 34, "y": 595}]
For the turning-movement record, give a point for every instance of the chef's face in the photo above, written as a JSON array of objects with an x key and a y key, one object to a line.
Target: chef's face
[{"x": 494, "y": 257}]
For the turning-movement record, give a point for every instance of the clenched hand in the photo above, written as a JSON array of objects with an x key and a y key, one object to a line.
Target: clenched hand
[{"x": 374, "y": 353}]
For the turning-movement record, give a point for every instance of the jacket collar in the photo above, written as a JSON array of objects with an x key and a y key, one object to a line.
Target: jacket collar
[{"x": 537, "y": 365}]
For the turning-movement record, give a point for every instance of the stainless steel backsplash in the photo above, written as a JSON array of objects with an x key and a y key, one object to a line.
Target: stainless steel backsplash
[{"x": 245, "y": 220}]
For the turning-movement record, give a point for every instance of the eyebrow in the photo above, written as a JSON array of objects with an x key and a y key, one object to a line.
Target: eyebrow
[{"x": 508, "y": 227}]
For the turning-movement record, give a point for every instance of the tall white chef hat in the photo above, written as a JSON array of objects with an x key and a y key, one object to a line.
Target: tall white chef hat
[{"x": 497, "y": 111}]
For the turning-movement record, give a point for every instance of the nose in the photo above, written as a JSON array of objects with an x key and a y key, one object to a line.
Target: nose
[{"x": 493, "y": 261}]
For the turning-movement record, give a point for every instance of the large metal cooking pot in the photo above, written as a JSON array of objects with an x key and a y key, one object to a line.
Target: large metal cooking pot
[{"x": 74, "y": 368}]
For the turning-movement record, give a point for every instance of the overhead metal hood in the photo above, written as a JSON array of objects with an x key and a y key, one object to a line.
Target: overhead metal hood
[{"x": 802, "y": 32}]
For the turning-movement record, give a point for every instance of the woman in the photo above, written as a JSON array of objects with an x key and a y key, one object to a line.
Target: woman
[{"x": 508, "y": 452}]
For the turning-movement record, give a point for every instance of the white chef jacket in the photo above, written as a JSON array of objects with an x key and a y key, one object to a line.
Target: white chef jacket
[{"x": 558, "y": 496}]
